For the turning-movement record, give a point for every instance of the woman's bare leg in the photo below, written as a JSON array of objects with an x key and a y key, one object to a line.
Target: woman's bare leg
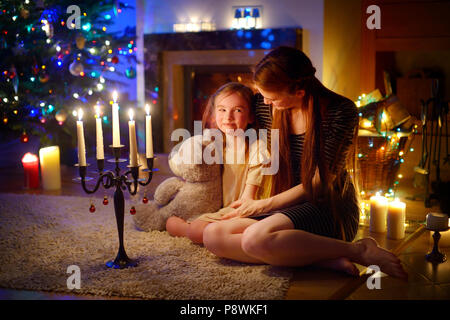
[
  {"x": 224, "y": 239},
  {"x": 270, "y": 241}
]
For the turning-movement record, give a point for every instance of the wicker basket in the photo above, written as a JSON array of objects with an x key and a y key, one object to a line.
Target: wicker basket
[{"x": 379, "y": 161}]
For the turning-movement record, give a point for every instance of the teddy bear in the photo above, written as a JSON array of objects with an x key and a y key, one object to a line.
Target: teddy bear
[{"x": 196, "y": 188}]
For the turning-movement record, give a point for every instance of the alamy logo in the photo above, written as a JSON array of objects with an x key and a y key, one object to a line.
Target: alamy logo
[
  {"x": 207, "y": 146},
  {"x": 74, "y": 280},
  {"x": 374, "y": 281},
  {"x": 374, "y": 21},
  {"x": 74, "y": 21}
]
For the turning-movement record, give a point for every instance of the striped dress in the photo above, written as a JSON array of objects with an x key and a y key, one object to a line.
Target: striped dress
[{"x": 338, "y": 129}]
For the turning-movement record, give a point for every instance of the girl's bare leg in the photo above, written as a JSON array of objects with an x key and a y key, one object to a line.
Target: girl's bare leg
[
  {"x": 177, "y": 227},
  {"x": 270, "y": 241}
]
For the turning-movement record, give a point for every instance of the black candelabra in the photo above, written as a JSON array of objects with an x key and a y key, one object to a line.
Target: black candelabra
[{"x": 109, "y": 179}]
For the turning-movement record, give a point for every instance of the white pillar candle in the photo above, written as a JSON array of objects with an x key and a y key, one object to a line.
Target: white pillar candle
[
  {"x": 148, "y": 133},
  {"x": 99, "y": 135},
  {"x": 378, "y": 213},
  {"x": 80, "y": 137},
  {"x": 50, "y": 168},
  {"x": 115, "y": 121},
  {"x": 133, "y": 143},
  {"x": 396, "y": 220}
]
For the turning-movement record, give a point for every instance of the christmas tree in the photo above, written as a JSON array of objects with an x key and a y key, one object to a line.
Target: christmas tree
[{"x": 54, "y": 57}]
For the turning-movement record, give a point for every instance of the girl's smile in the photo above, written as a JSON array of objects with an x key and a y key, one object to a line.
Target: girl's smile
[{"x": 232, "y": 112}]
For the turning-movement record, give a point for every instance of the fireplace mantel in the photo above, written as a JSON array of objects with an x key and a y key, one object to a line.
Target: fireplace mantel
[{"x": 166, "y": 56}]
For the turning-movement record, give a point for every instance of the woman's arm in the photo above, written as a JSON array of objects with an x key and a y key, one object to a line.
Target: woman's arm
[{"x": 246, "y": 207}]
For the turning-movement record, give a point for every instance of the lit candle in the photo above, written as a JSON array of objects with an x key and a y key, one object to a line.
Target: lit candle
[
  {"x": 99, "y": 134},
  {"x": 115, "y": 121},
  {"x": 148, "y": 133},
  {"x": 30, "y": 164},
  {"x": 133, "y": 144},
  {"x": 50, "y": 168},
  {"x": 378, "y": 212},
  {"x": 396, "y": 219},
  {"x": 80, "y": 136}
]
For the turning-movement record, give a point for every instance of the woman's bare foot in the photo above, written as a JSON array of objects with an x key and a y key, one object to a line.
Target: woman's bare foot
[
  {"x": 371, "y": 254},
  {"x": 340, "y": 264}
]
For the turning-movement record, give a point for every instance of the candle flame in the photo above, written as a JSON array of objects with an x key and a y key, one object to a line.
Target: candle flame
[
  {"x": 115, "y": 96},
  {"x": 97, "y": 111},
  {"x": 131, "y": 114},
  {"x": 147, "y": 109},
  {"x": 29, "y": 157},
  {"x": 80, "y": 114}
]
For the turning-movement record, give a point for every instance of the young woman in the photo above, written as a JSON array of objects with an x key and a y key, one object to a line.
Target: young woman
[{"x": 313, "y": 213}]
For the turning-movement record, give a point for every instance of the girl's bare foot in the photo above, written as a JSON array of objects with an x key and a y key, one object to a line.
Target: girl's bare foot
[
  {"x": 340, "y": 264},
  {"x": 371, "y": 254}
]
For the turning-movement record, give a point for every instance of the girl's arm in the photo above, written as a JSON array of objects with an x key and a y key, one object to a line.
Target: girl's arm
[
  {"x": 249, "y": 207},
  {"x": 250, "y": 192}
]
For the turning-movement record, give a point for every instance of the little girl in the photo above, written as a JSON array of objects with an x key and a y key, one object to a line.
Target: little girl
[{"x": 230, "y": 109}]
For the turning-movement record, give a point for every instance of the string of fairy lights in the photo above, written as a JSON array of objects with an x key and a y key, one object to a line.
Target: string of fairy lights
[{"x": 391, "y": 144}]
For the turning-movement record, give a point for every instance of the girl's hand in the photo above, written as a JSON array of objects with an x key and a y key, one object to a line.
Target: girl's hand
[{"x": 247, "y": 208}]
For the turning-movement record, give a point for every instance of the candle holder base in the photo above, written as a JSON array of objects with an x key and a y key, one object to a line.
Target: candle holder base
[
  {"x": 435, "y": 256},
  {"x": 121, "y": 263}
]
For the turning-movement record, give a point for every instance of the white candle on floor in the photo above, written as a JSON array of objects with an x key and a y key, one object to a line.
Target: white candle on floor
[
  {"x": 396, "y": 220},
  {"x": 378, "y": 213},
  {"x": 50, "y": 168}
]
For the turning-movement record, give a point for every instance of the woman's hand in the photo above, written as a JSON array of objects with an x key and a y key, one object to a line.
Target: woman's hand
[{"x": 248, "y": 208}]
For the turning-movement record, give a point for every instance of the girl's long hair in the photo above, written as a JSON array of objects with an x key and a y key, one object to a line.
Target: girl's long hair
[{"x": 287, "y": 70}]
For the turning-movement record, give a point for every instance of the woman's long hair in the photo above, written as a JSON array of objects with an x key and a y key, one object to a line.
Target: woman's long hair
[{"x": 287, "y": 70}]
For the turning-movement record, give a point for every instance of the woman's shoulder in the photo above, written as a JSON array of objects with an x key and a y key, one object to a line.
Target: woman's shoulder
[{"x": 341, "y": 106}]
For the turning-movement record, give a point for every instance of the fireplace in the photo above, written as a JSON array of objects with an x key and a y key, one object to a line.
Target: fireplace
[{"x": 183, "y": 69}]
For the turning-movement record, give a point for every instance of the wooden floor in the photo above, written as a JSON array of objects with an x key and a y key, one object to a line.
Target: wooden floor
[{"x": 426, "y": 280}]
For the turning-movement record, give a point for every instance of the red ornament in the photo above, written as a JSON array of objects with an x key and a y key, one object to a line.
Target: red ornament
[
  {"x": 115, "y": 60},
  {"x": 24, "y": 137},
  {"x": 92, "y": 208},
  {"x": 145, "y": 200},
  {"x": 133, "y": 210},
  {"x": 105, "y": 200}
]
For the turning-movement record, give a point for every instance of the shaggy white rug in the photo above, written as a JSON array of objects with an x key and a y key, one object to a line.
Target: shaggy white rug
[{"x": 41, "y": 236}]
